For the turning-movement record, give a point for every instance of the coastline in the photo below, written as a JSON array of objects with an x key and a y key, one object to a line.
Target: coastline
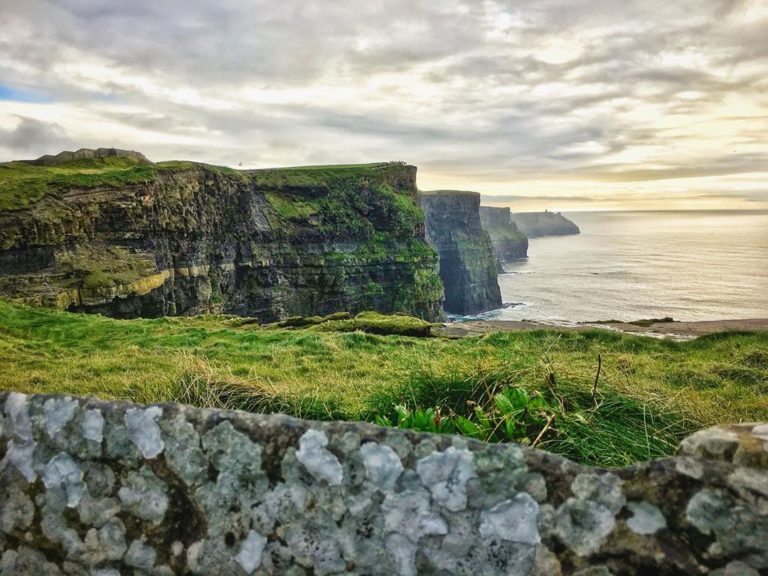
[{"x": 661, "y": 329}]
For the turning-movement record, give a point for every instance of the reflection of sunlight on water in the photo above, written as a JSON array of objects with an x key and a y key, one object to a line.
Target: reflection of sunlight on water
[{"x": 625, "y": 266}]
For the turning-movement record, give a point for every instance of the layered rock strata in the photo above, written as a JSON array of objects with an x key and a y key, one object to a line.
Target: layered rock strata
[
  {"x": 468, "y": 266},
  {"x": 91, "y": 487},
  {"x": 106, "y": 232},
  {"x": 509, "y": 242}
]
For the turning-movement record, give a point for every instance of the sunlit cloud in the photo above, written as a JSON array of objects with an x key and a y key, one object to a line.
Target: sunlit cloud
[{"x": 602, "y": 103}]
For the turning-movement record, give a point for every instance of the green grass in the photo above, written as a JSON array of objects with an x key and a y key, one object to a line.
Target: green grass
[
  {"x": 375, "y": 323},
  {"x": 22, "y": 184},
  {"x": 301, "y": 176},
  {"x": 651, "y": 392},
  {"x": 292, "y": 208}
]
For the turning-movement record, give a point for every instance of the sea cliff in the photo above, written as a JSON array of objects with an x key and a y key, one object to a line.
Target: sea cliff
[
  {"x": 509, "y": 243},
  {"x": 108, "y": 231},
  {"x": 468, "y": 266},
  {"x": 536, "y": 224}
]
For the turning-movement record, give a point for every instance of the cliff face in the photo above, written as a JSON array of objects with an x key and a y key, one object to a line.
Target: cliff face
[
  {"x": 124, "y": 237},
  {"x": 536, "y": 224},
  {"x": 467, "y": 260},
  {"x": 509, "y": 243}
]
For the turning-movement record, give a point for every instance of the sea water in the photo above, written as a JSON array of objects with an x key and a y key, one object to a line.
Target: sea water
[{"x": 697, "y": 265}]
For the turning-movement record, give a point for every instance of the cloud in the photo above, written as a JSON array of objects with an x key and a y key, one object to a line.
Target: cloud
[
  {"x": 480, "y": 95},
  {"x": 489, "y": 200},
  {"x": 32, "y": 136}
]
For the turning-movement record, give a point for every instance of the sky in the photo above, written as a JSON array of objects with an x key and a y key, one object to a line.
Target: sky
[{"x": 569, "y": 105}]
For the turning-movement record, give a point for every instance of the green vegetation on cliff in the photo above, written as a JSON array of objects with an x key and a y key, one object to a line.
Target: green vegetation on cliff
[
  {"x": 22, "y": 184},
  {"x": 651, "y": 392},
  {"x": 108, "y": 231},
  {"x": 468, "y": 265}
]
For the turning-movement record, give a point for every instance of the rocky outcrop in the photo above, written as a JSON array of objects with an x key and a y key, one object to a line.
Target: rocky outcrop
[
  {"x": 509, "y": 243},
  {"x": 537, "y": 224},
  {"x": 67, "y": 157},
  {"x": 123, "y": 237},
  {"x": 467, "y": 261},
  {"x": 91, "y": 487}
]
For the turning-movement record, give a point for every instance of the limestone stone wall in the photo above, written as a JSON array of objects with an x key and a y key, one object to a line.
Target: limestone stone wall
[{"x": 99, "y": 488}]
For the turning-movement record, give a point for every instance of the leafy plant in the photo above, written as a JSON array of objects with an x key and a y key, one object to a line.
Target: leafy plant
[
  {"x": 512, "y": 415},
  {"x": 422, "y": 420}
]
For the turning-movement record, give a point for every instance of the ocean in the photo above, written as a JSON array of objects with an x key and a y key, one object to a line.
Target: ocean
[{"x": 695, "y": 265}]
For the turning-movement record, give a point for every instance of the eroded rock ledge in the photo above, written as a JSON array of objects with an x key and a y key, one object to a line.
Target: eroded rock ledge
[{"x": 91, "y": 487}]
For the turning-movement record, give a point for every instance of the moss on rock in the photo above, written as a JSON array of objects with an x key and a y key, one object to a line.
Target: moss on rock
[{"x": 262, "y": 243}]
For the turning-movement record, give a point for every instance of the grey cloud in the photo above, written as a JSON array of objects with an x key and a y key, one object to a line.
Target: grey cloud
[
  {"x": 32, "y": 136},
  {"x": 498, "y": 110},
  {"x": 730, "y": 164}
]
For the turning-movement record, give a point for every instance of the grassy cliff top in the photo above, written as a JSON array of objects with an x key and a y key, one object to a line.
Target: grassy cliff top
[
  {"x": 309, "y": 176},
  {"x": 651, "y": 393},
  {"x": 23, "y": 183}
]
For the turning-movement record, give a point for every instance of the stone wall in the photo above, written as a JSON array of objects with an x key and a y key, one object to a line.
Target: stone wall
[{"x": 91, "y": 487}]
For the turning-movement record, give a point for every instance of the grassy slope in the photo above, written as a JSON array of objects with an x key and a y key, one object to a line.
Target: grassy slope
[
  {"x": 653, "y": 392},
  {"x": 23, "y": 184}
]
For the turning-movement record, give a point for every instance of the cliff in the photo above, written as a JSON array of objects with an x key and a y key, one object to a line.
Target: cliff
[
  {"x": 108, "y": 231},
  {"x": 536, "y": 224},
  {"x": 91, "y": 487},
  {"x": 509, "y": 242},
  {"x": 467, "y": 262}
]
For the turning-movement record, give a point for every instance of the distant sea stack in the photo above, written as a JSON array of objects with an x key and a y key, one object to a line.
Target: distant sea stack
[
  {"x": 537, "y": 224},
  {"x": 467, "y": 260},
  {"x": 508, "y": 241},
  {"x": 108, "y": 231}
]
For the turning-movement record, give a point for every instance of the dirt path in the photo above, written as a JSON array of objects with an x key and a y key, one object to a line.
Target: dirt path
[{"x": 676, "y": 330}]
